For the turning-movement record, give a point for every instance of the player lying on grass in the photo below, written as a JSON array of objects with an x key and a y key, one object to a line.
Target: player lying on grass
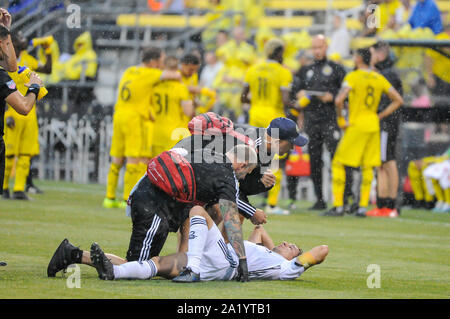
[
  {"x": 210, "y": 257},
  {"x": 162, "y": 199}
]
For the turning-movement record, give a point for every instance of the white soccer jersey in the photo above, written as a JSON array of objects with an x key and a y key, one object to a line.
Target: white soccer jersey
[{"x": 219, "y": 261}]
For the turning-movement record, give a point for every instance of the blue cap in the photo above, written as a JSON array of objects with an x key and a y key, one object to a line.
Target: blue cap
[{"x": 287, "y": 130}]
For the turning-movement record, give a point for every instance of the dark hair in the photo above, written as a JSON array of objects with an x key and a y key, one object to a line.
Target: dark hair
[
  {"x": 277, "y": 53},
  {"x": 4, "y": 32},
  {"x": 152, "y": 53},
  {"x": 365, "y": 54},
  {"x": 190, "y": 59},
  {"x": 381, "y": 45}
]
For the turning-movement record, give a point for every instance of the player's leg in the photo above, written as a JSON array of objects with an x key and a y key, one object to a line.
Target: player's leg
[
  {"x": 8, "y": 166},
  {"x": 117, "y": 153},
  {"x": 34, "y": 151},
  {"x": 22, "y": 170},
  {"x": 315, "y": 147},
  {"x": 415, "y": 177}
]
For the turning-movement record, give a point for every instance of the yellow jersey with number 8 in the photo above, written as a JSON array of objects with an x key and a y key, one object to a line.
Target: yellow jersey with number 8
[
  {"x": 135, "y": 88},
  {"x": 367, "y": 87}
]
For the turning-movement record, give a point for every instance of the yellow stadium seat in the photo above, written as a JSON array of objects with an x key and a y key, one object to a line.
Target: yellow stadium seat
[
  {"x": 162, "y": 21},
  {"x": 280, "y": 22},
  {"x": 444, "y": 6},
  {"x": 312, "y": 5}
]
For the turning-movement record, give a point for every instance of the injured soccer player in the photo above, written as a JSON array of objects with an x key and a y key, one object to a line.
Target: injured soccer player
[{"x": 209, "y": 257}]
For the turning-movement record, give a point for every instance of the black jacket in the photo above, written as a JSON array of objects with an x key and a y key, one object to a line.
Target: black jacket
[{"x": 324, "y": 76}]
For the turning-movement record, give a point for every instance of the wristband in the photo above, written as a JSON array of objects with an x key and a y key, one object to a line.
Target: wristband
[
  {"x": 48, "y": 51},
  {"x": 34, "y": 88}
]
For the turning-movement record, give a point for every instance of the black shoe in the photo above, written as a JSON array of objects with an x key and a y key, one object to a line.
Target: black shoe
[
  {"x": 6, "y": 194},
  {"x": 62, "y": 258},
  {"x": 103, "y": 265},
  {"x": 353, "y": 208},
  {"x": 429, "y": 205},
  {"x": 2, "y": 263},
  {"x": 360, "y": 213},
  {"x": 187, "y": 275},
  {"x": 33, "y": 189},
  {"x": 333, "y": 212},
  {"x": 319, "y": 205},
  {"x": 20, "y": 196}
]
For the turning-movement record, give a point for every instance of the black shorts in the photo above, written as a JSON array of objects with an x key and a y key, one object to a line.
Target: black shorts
[
  {"x": 154, "y": 214},
  {"x": 388, "y": 142},
  {"x": 2, "y": 163}
]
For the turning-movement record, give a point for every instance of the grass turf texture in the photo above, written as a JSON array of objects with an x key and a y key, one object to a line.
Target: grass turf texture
[{"x": 412, "y": 252}]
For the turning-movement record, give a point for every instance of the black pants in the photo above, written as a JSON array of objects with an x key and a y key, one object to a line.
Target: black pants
[
  {"x": 2, "y": 163},
  {"x": 320, "y": 134},
  {"x": 154, "y": 214}
]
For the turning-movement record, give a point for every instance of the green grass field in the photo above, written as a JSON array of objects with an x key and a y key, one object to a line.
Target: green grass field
[{"x": 413, "y": 252}]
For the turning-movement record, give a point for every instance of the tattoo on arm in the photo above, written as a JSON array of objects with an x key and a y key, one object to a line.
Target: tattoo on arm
[{"x": 232, "y": 225}]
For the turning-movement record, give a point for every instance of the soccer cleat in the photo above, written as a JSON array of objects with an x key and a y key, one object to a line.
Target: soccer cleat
[
  {"x": 276, "y": 210},
  {"x": 187, "y": 275},
  {"x": 110, "y": 203},
  {"x": 333, "y": 212},
  {"x": 319, "y": 205},
  {"x": 33, "y": 189},
  {"x": 2, "y": 263},
  {"x": 105, "y": 268},
  {"x": 6, "y": 194},
  {"x": 61, "y": 259},
  {"x": 361, "y": 212},
  {"x": 122, "y": 204},
  {"x": 374, "y": 212},
  {"x": 20, "y": 196}
]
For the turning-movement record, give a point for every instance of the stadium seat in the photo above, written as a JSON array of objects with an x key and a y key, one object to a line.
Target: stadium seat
[
  {"x": 161, "y": 21},
  {"x": 312, "y": 5},
  {"x": 280, "y": 22}
]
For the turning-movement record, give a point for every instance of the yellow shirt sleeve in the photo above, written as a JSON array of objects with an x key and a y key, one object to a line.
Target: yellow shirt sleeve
[
  {"x": 349, "y": 80},
  {"x": 184, "y": 93},
  {"x": 385, "y": 84},
  {"x": 285, "y": 79},
  {"x": 248, "y": 76}
]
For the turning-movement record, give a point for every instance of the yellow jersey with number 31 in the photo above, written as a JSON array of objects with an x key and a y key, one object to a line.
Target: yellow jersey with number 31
[
  {"x": 265, "y": 80},
  {"x": 135, "y": 88},
  {"x": 367, "y": 87}
]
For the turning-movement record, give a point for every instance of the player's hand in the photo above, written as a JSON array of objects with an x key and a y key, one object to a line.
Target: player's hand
[
  {"x": 242, "y": 270},
  {"x": 431, "y": 82},
  {"x": 342, "y": 122},
  {"x": 5, "y": 18},
  {"x": 10, "y": 122},
  {"x": 259, "y": 217},
  {"x": 34, "y": 79},
  {"x": 328, "y": 97},
  {"x": 301, "y": 94},
  {"x": 268, "y": 179}
]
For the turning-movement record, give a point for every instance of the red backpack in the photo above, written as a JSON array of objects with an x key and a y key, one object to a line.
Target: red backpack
[
  {"x": 174, "y": 175},
  {"x": 213, "y": 124}
]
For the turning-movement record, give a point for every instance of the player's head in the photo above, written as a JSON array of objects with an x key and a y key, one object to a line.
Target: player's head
[
  {"x": 171, "y": 63},
  {"x": 19, "y": 41},
  {"x": 153, "y": 57},
  {"x": 274, "y": 49},
  {"x": 362, "y": 58},
  {"x": 380, "y": 52},
  {"x": 319, "y": 47},
  {"x": 243, "y": 158},
  {"x": 287, "y": 250},
  {"x": 283, "y": 134},
  {"x": 189, "y": 64}
]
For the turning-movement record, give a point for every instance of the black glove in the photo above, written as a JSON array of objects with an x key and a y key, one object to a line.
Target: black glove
[
  {"x": 242, "y": 270},
  {"x": 10, "y": 122}
]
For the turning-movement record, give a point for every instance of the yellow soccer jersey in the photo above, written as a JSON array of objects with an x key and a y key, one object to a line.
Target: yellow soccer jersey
[
  {"x": 191, "y": 81},
  {"x": 166, "y": 98},
  {"x": 135, "y": 88},
  {"x": 265, "y": 80},
  {"x": 367, "y": 87}
]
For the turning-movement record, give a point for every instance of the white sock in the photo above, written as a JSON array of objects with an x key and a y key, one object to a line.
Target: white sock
[
  {"x": 198, "y": 233},
  {"x": 136, "y": 270}
]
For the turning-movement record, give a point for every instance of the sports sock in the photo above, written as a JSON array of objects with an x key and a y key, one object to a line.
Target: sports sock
[
  {"x": 439, "y": 192},
  {"x": 390, "y": 203},
  {"x": 198, "y": 231},
  {"x": 9, "y": 163},
  {"x": 132, "y": 176},
  {"x": 112, "y": 180},
  {"x": 382, "y": 202},
  {"x": 272, "y": 197},
  {"x": 136, "y": 270},
  {"x": 22, "y": 169},
  {"x": 415, "y": 178},
  {"x": 366, "y": 186},
  {"x": 338, "y": 183},
  {"x": 447, "y": 195},
  {"x": 307, "y": 260}
]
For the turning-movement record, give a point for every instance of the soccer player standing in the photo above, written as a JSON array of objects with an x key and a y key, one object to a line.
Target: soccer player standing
[
  {"x": 171, "y": 104},
  {"x": 8, "y": 91},
  {"x": 360, "y": 145},
  {"x": 131, "y": 123},
  {"x": 269, "y": 84}
]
